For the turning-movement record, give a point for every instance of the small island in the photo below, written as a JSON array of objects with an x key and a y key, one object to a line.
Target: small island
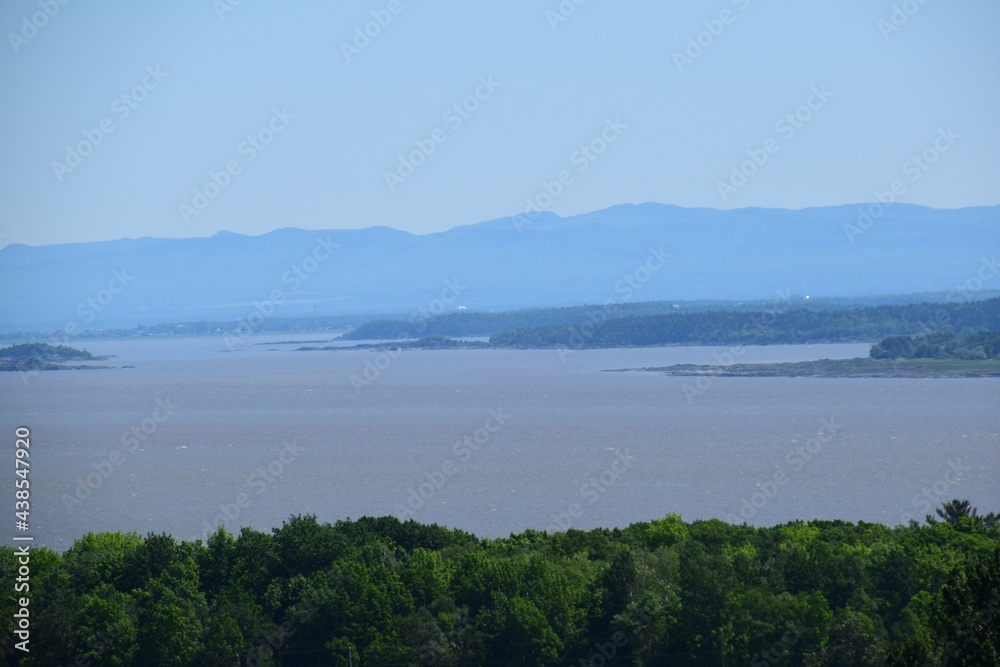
[
  {"x": 935, "y": 355},
  {"x": 27, "y": 357},
  {"x": 433, "y": 342}
]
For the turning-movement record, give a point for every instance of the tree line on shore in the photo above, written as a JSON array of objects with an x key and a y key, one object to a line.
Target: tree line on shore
[
  {"x": 779, "y": 325},
  {"x": 784, "y": 320},
  {"x": 939, "y": 345}
]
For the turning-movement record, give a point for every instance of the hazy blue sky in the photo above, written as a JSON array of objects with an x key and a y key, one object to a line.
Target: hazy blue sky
[{"x": 678, "y": 127}]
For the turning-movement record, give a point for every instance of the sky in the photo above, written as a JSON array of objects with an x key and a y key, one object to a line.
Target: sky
[{"x": 167, "y": 119}]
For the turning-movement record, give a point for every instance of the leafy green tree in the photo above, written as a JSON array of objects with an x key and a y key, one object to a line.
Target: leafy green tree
[
  {"x": 355, "y": 603},
  {"x": 255, "y": 566},
  {"x": 519, "y": 633},
  {"x": 856, "y": 639},
  {"x": 705, "y": 581},
  {"x": 667, "y": 531},
  {"x": 612, "y": 593},
  {"x": 98, "y": 558},
  {"x": 966, "y": 616},
  {"x": 105, "y": 631},
  {"x": 425, "y": 576},
  {"x": 258, "y": 636},
  {"x": 961, "y": 513},
  {"x": 303, "y": 545},
  {"x": 216, "y": 561},
  {"x": 147, "y": 561},
  {"x": 171, "y": 610},
  {"x": 426, "y": 635}
]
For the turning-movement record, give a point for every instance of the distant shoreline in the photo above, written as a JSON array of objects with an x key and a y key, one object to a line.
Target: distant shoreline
[
  {"x": 860, "y": 367},
  {"x": 30, "y": 357}
]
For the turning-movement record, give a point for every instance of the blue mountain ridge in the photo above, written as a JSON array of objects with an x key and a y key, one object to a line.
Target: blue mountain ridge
[{"x": 505, "y": 263}]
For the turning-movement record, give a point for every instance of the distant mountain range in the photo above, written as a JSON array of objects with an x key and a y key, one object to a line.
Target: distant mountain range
[{"x": 623, "y": 254}]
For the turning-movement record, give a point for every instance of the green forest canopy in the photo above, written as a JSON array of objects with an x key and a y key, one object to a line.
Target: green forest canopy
[
  {"x": 778, "y": 325},
  {"x": 939, "y": 345},
  {"x": 378, "y": 591}
]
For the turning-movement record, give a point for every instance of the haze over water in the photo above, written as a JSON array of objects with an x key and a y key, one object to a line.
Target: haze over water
[{"x": 622, "y": 447}]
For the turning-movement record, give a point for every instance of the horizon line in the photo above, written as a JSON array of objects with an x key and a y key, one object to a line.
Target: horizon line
[{"x": 512, "y": 217}]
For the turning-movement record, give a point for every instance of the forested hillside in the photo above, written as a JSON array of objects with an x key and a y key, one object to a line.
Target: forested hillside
[
  {"x": 939, "y": 345},
  {"x": 778, "y": 325},
  {"x": 380, "y": 592},
  {"x": 486, "y": 323}
]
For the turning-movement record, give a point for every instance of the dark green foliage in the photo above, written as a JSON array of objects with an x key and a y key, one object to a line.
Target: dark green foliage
[
  {"x": 907, "y": 315},
  {"x": 45, "y": 352},
  {"x": 484, "y": 324},
  {"x": 105, "y": 633},
  {"x": 41, "y": 357},
  {"x": 407, "y": 534},
  {"x": 782, "y": 324},
  {"x": 303, "y": 546},
  {"x": 378, "y": 591},
  {"x": 147, "y": 561},
  {"x": 962, "y": 515},
  {"x": 939, "y": 345}
]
